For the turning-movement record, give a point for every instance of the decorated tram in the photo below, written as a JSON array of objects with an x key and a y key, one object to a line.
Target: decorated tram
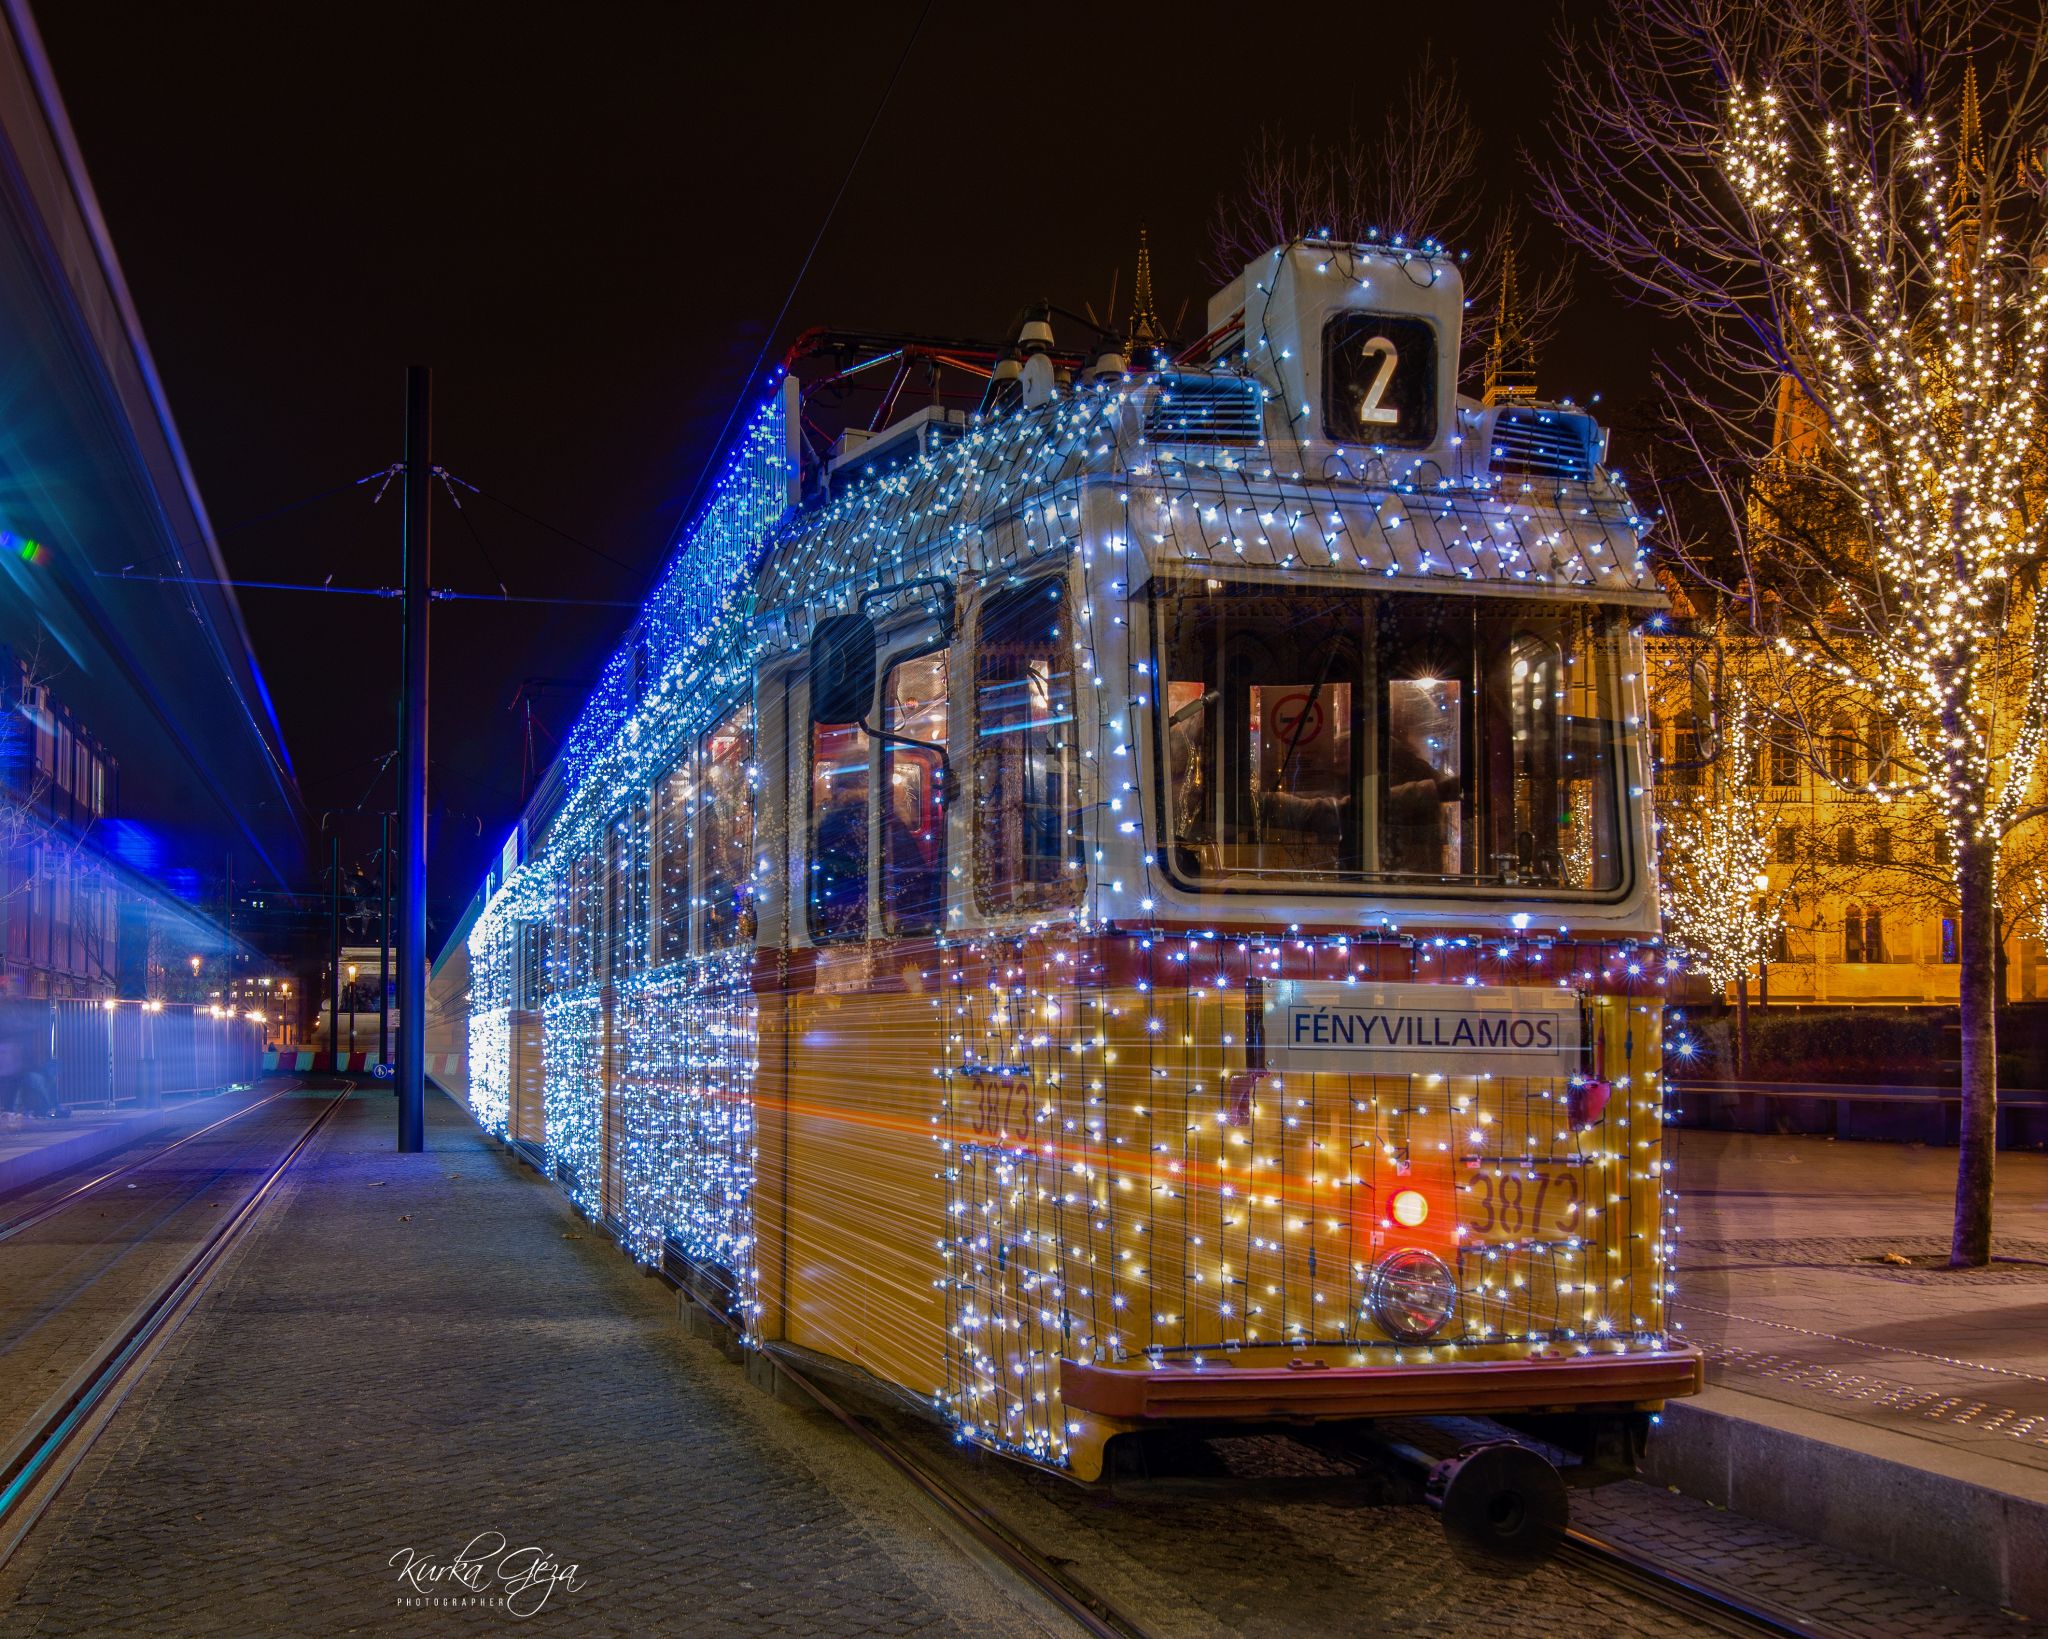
[{"x": 1131, "y": 907}]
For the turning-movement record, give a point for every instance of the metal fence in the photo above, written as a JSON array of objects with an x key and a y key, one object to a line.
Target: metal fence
[{"x": 137, "y": 1052}]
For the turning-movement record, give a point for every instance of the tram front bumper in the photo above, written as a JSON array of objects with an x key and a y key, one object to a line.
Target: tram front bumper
[{"x": 1312, "y": 1389}]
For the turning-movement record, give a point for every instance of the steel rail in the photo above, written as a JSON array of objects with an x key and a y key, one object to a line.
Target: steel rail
[
  {"x": 992, "y": 1536},
  {"x": 49, "y": 1209},
  {"x": 35, "y": 1467},
  {"x": 1713, "y": 1603}
]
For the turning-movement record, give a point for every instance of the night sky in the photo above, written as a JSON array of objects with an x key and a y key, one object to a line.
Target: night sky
[{"x": 584, "y": 218}]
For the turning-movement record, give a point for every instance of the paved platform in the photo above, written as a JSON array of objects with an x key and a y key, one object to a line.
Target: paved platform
[
  {"x": 34, "y": 1148},
  {"x": 1861, "y": 1390},
  {"x": 418, "y": 1355}
]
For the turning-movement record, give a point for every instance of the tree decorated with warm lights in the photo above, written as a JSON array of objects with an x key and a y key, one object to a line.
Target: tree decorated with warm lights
[
  {"x": 1823, "y": 194},
  {"x": 1720, "y": 912}
]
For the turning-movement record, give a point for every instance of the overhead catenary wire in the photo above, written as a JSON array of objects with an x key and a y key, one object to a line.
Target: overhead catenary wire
[
  {"x": 804, "y": 267},
  {"x": 439, "y": 594}
]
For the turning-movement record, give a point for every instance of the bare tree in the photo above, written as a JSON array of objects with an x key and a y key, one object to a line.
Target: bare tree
[
  {"x": 1860, "y": 257},
  {"x": 1414, "y": 179}
]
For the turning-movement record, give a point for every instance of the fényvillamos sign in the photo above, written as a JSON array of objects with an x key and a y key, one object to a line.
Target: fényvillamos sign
[{"x": 1363, "y": 1030}]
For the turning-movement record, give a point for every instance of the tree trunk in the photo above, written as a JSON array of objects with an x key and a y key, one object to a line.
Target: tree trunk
[
  {"x": 1977, "y": 867},
  {"x": 1742, "y": 1027}
]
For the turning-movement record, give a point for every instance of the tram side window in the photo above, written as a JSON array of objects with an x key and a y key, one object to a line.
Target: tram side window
[
  {"x": 838, "y": 877},
  {"x": 585, "y": 924},
  {"x": 914, "y": 784},
  {"x": 621, "y": 877},
  {"x": 670, "y": 935},
  {"x": 1026, "y": 756},
  {"x": 726, "y": 824}
]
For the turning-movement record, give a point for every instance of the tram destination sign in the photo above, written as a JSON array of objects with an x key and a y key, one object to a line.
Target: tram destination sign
[{"x": 1398, "y": 1029}]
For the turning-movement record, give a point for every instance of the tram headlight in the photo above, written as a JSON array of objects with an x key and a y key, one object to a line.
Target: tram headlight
[
  {"x": 1409, "y": 1207},
  {"x": 1412, "y": 1296}
]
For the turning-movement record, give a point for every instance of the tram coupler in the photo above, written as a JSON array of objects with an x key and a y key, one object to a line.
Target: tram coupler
[{"x": 1504, "y": 1506}]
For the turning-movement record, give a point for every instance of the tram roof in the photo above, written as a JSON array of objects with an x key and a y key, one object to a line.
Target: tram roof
[
  {"x": 751, "y": 574},
  {"x": 1007, "y": 494}
]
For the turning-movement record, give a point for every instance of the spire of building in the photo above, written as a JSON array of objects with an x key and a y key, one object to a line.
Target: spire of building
[
  {"x": 1966, "y": 194},
  {"x": 1962, "y": 192},
  {"x": 1144, "y": 332},
  {"x": 1511, "y": 356}
]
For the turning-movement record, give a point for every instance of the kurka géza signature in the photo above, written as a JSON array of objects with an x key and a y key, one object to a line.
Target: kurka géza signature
[{"x": 521, "y": 1580}]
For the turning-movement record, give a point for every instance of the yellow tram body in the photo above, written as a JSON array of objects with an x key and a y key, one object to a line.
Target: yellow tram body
[{"x": 1202, "y": 971}]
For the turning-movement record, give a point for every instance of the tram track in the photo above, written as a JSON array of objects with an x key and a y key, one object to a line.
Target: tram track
[
  {"x": 1000, "y": 1546},
  {"x": 71, "y": 1197},
  {"x": 1711, "y": 1603},
  {"x": 42, "y": 1456}
]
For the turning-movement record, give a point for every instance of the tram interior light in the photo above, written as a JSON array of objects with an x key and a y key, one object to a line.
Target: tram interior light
[{"x": 1410, "y": 1207}]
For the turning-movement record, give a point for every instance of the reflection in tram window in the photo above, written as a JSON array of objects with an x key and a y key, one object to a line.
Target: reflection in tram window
[
  {"x": 1423, "y": 825},
  {"x": 839, "y": 832},
  {"x": 1405, "y": 738},
  {"x": 1026, "y": 760},
  {"x": 726, "y": 828},
  {"x": 914, "y": 807}
]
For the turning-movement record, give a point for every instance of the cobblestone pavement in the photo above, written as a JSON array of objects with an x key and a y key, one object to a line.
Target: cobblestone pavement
[
  {"x": 412, "y": 1350},
  {"x": 1812, "y": 1273},
  {"x": 1265, "y": 1536},
  {"x": 1853, "y": 1594}
]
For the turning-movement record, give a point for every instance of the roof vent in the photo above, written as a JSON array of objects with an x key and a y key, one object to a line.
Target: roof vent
[
  {"x": 1204, "y": 410},
  {"x": 1534, "y": 443}
]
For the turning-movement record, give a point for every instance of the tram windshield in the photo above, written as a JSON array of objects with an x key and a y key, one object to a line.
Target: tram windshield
[{"x": 1402, "y": 739}]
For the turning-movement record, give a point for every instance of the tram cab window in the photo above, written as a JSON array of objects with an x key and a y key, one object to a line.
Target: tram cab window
[
  {"x": 914, "y": 771},
  {"x": 726, "y": 828},
  {"x": 669, "y": 938},
  {"x": 1401, "y": 739},
  {"x": 1026, "y": 755}
]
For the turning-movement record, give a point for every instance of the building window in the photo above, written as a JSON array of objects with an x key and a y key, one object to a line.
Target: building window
[
  {"x": 1844, "y": 755},
  {"x": 1873, "y": 936},
  {"x": 1026, "y": 756},
  {"x": 1845, "y": 846},
  {"x": 1685, "y": 753},
  {"x": 1784, "y": 757},
  {"x": 726, "y": 823},
  {"x": 1878, "y": 736},
  {"x": 1852, "y": 934},
  {"x": 1786, "y": 849},
  {"x": 914, "y": 795},
  {"x": 1881, "y": 844},
  {"x": 1949, "y": 953}
]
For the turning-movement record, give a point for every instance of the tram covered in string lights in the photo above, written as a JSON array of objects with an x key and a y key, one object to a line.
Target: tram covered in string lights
[{"x": 1131, "y": 909}]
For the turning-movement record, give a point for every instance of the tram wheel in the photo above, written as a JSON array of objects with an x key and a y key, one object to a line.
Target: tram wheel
[{"x": 1504, "y": 1508}]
